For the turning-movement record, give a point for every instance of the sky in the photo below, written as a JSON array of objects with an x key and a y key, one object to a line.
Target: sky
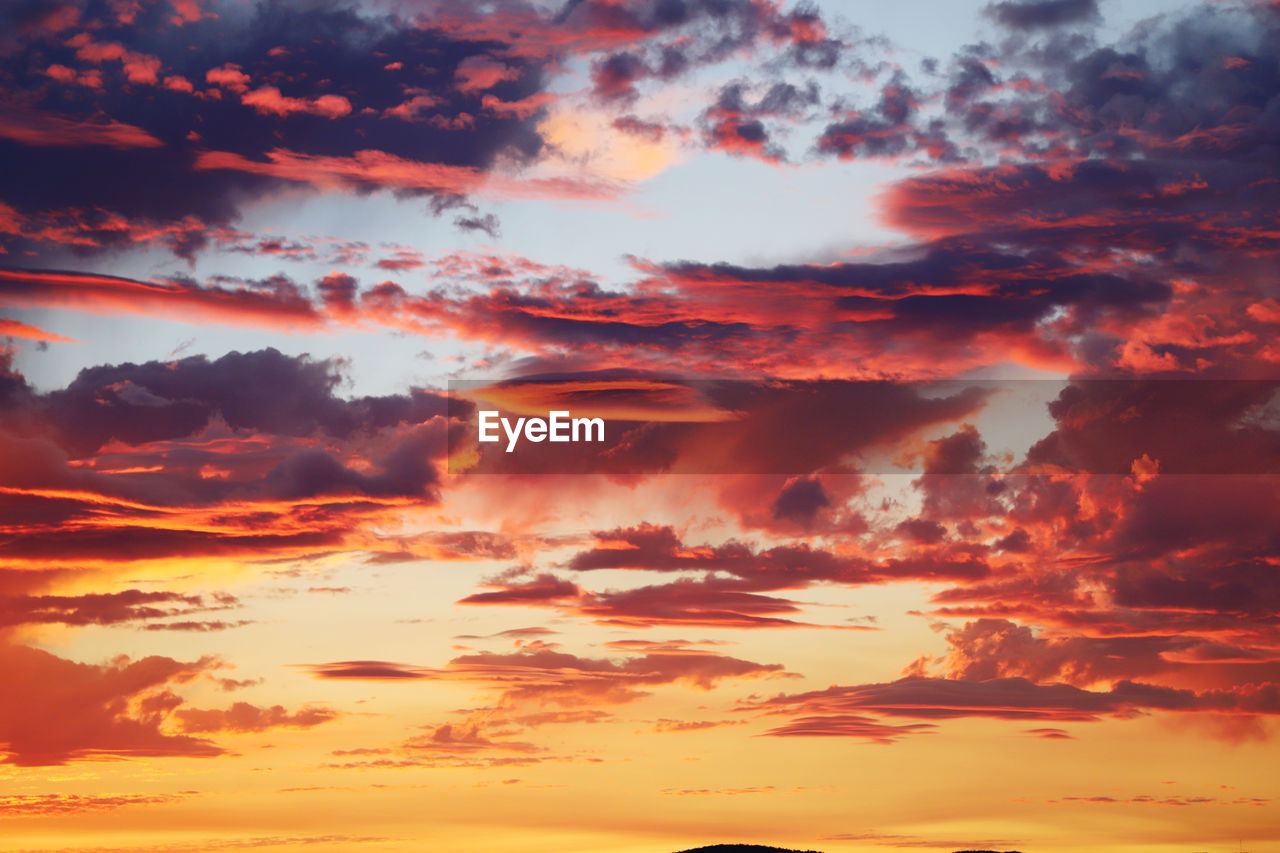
[{"x": 936, "y": 348}]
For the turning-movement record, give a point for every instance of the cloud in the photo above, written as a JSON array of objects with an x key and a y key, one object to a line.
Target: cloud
[
  {"x": 243, "y": 717},
  {"x": 1104, "y": 426},
  {"x": 707, "y": 602},
  {"x": 1032, "y": 14},
  {"x": 479, "y": 72},
  {"x": 276, "y": 302},
  {"x": 801, "y": 499},
  {"x": 17, "y": 329},
  {"x": 368, "y": 670},
  {"x": 968, "y": 845},
  {"x": 236, "y": 87},
  {"x": 1103, "y": 210},
  {"x": 235, "y": 107},
  {"x": 824, "y": 712},
  {"x": 666, "y": 726},
  {"x": 250, "y": 843},
  {"x": 260, "y": 392},
  {"x": 989, "y": 648},
  {"x": 848, "y": 725},
  {"x": 888, "y": 130},
  {"x": 537, "y": 686},
  {"x": 58, "y": 805},
  {"x": 547, "y": 677},
  {"x": 978, "y": 305},
  {"x": 736, "y": 588},
  {"x": 488, "y": 223},
  {"x": 106, "y": 608},
  {"x": 544, "y": 589},
  {"x": 464, "y": 739},
  {"x": 249, "y": 456},
  {"x": 657, "y": 548},
  {"x": 268, "y": 100},
  {"x": 56, "y": 710},
  {"x": 373, "y": 169},
  {"x": 1051, "y": 733},
  {"x": 30, "y": 127},
  {"x": 955, "y": 303}
]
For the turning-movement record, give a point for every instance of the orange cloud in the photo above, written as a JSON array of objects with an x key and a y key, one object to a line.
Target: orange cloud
[{"x": 17, "y": 329}]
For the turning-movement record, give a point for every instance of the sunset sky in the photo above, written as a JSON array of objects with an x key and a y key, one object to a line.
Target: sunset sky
[{"x": 936, "y": 344}]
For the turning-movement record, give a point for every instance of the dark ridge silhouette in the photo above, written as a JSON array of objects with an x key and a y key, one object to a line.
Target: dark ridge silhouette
[{"x": 743, "y": 848}]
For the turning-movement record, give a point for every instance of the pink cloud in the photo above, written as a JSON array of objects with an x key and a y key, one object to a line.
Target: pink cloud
[
  {"x": 380, "y": 168},
  {"x": 229, "y": 76},
  {"x": 477, "y": 72},
  {"x": 31, "y": 127},
  {"x": 268, "y": 101}
]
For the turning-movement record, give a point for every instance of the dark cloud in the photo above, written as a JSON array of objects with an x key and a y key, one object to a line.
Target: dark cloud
[
  {"x": 409, "y": 469},
  {"x": 1180, "y": 426},
  {"x": 1010, "y": 699},
  {"x": 368, "y": 670},
  {"x": 657, "y": 548},
  {"x": 1032, "y": 14},
  {"x": 849, "y": 725},
  {"x": 736, "y": 122},
  {"x": 614, "y": 76},
  {"x": 997, "y": 648},
  {"x": 263, "y": 392},
  {"x": 179, "y": 122},
  {"x": 106, "y": 608},
  {"x": 274, "y": 302},
  {"x": 488, "y": 223},
  {"x": 801, "y": 499},
  {"x": 672, "y": 37},
  {"x": 274, "y": 78},
  {"x": 886, "y": 130},
  {"x": 256, "y": 452},
  {"x": 737, "y": 586},
  {"x": 706, "y": 602},
  {"x": 544, "y": 589}
]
